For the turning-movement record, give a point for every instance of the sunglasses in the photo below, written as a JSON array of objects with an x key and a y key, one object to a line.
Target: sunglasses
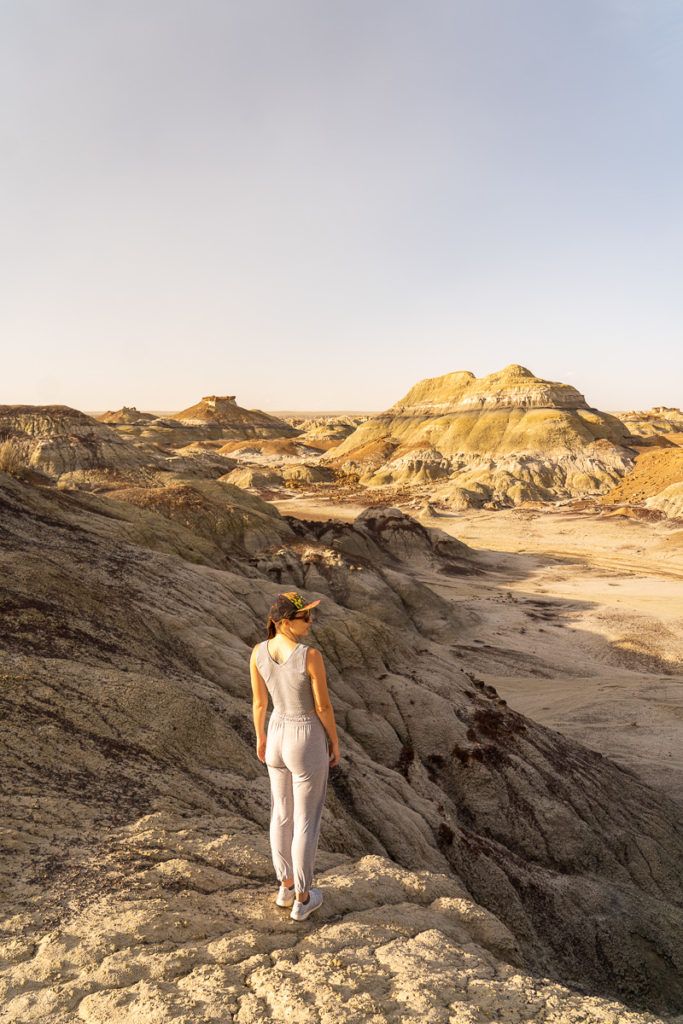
[{"x": 306, "y": 616}]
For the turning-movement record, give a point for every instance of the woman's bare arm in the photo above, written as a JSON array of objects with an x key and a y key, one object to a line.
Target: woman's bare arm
[
  {"x": 323, "y": 705},
  {"x": 259, "y": 693}
]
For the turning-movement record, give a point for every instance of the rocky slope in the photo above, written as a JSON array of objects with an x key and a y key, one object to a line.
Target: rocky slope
[
  {"x": 476, "y": 865},
  {"x": 494, "y": 441},
  {"x": 655, "y": 482}
]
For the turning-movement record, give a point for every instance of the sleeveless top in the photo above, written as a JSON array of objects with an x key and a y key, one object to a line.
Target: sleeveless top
[{"x": 288, "y": 683}]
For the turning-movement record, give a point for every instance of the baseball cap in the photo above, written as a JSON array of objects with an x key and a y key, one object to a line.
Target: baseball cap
[{"x": 287, "y": 605}]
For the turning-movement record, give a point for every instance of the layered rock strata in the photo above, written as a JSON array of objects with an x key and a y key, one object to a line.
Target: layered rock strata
[{"x": 498, "y": 440}]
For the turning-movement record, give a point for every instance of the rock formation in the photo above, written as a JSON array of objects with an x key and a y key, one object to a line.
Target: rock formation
[
  {"x": 498, "y": 440},
  {"x": 661, "y": 420},
  {"x": 128, "y": 414},
  {"x": 66, "y": 444},
  {"x": 265, "y": 478},
  {"x": 476, "y": 865},
  {"x": 255, "y": 478},
  {"x": 226, "y": 418},
  {"x": 329, "y": 430},
  {"x": 669, "y": 501}
]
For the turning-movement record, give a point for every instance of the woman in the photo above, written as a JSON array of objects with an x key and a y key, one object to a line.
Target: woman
[{"x": 299, "y": 748}]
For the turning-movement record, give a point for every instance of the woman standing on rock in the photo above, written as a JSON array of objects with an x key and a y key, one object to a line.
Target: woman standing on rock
[{"x": 299, "y": 748}]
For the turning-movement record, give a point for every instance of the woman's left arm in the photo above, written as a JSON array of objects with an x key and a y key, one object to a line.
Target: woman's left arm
[{"x": 259, "y": 694}]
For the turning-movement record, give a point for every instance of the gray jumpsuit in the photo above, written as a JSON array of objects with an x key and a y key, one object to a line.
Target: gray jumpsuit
[{"x": 297, "y": 757}]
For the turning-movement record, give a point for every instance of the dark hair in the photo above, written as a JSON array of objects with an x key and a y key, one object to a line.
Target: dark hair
[{"x": 271, "y": 627}]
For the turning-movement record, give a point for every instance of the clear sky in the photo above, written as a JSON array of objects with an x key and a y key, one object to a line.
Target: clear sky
[{"x": 315, "y": 203}]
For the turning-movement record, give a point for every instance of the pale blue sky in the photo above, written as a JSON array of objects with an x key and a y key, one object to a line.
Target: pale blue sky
[{"x": 316, "y": 204}]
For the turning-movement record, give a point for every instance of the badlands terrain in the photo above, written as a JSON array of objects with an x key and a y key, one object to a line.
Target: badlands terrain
[{"x": 502, "y": 625}]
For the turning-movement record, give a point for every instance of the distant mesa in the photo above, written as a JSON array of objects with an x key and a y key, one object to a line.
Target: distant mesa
[
  {"x": 495, "y": 441},
  {"x": 223, "y": 412},
  {"x": 128, "y": 414},
  {"x": 514, "y": 387}
]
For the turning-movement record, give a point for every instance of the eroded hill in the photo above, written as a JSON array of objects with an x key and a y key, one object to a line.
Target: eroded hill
[{"x": 495, "y": 441}]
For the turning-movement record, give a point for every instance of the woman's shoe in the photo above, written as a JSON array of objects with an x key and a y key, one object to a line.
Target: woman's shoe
[
  {"x": 285, "y": 896},
  {"x": 300, "y": 911}
]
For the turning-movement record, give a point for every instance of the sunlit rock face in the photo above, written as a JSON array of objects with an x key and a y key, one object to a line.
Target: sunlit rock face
[{"x": 505, "y": 438}]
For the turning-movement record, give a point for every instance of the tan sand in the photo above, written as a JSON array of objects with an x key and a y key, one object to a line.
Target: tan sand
[
  {"x": 610, "y": 629},
  {"x": 318, "y": 511}
]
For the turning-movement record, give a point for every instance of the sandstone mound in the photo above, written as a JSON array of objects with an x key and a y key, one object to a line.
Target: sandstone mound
[
  {"x": 510, "y": 436},
  {"x": 378, "y": 535},
  {"x": 128, "y": 415},
  {"x": 655, "y": 481},
  {"x": 304, "y": 473},
  {"x": 221, "y": 413},
  {"x": 67, "y": 444},
  {"x": 513, "y": 872},
  {"x": 265, "y": 477},
  {"x": 257, "y": 478}
]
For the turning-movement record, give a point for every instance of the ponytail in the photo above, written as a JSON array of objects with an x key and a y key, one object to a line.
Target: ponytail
[{"x": 270, "y": 627}]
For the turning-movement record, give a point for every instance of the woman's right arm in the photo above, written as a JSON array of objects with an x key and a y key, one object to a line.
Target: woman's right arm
[{"x": 323, "y": 706}]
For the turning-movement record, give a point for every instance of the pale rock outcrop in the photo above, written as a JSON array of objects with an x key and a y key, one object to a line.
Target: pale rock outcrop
[
  {"x": 510, "y": 436},
  {"x": 669, "y": 501}
]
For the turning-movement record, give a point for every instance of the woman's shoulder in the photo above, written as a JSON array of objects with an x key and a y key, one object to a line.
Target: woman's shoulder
[{"x": 310, "y": 654}]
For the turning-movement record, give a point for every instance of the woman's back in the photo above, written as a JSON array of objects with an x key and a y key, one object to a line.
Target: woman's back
[{"x": 287, "y": 683}]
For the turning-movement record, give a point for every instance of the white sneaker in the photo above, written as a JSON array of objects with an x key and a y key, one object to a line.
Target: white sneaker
[
  {"x": 285, "y": 896},
  {"x": 300, "y": 911}
]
